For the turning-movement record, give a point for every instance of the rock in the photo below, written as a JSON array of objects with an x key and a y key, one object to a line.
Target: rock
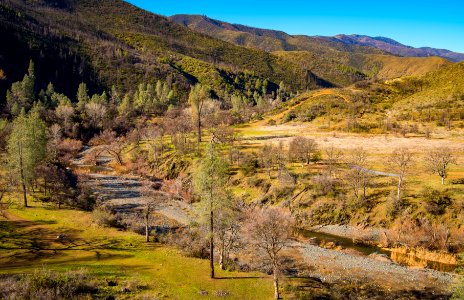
[
  {"x": 380, "y": 257},
  {"x": 203, "y": 293}
]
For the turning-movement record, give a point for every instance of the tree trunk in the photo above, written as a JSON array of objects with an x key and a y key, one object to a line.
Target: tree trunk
[
  {"x": 24, "y": 190},
  {"x": 211, "y": 243},
  {"x": 147, "y": 236},
  {"x": 221, "y": 259},
  {"x": 443, "y": 180},
  {"x": 276, "y": 282},
  {"x": 199, "y": 128},
  {"x": 398, "y": 195},
  {"x": 364, "y": 189},
  {"x": 23, "y": 180}
]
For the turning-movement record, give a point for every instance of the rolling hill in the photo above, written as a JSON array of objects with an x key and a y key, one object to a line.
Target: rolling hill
[
  {"x": 264, "y": 39},
  {"x": 334, "y": 60}
]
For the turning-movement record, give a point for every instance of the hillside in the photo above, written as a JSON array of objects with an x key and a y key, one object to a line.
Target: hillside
[
  {"x": 443, "y": 89},
  {"x": 395, "y": 47},
  {"x": 273, "y": 40},
  {"x": 333, "y": 60},
  {"x": 268, "y": 40},
  {"x": 111, "y": 42},
  {"x": 344, "y": 68}
]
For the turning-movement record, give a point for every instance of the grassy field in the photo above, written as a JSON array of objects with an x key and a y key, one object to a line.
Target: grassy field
[{"x": 28, "y": 242}]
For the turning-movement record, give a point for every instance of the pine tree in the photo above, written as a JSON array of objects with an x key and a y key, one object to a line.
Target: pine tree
[
  {"x": 82, "y": 96},
  {"x": 26, "y": 148},
  {"x": 210, "y": 181}
]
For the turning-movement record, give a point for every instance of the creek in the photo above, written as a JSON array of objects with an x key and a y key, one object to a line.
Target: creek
[{"x": 406, "y": 259}]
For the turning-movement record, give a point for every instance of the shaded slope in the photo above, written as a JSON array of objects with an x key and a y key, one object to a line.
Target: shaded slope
[{"x": 112, "y": 42}]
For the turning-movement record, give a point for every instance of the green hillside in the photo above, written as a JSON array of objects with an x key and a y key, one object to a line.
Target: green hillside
[
  {"x": 339, "y": 63},
  {"x": 111, "y": 42}
]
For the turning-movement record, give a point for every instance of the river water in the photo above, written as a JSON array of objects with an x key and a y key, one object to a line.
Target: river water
[{"x": 366, "y": 250}]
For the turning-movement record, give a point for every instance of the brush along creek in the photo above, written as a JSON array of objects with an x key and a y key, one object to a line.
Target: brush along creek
[{"x": 327, "y": 253}]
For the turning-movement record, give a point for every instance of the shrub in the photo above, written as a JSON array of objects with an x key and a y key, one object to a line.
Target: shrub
[
  {"x": 291, "y": 115},
  {"x": 395, "y": 205},
  {"x": 419, "y": 232},
  {"x": 324, "y": 184},
  {"x": 436, "y": 202},
  {"x": 191, "y": 241},
  {"x": 249, "y": 166},
  {"x": 85, "y": 199},
  {"x": 104, "y": 216},
  {"x": 457, "y": 181},
  {"x": 46, "y": 284},
  {"x": 327, "y": 212}
]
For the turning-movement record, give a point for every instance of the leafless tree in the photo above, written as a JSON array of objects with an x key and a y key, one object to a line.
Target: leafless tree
[
  {"x": 227, "y": 228},
  {"x": 96, "y": 112},
  {"x": 400, "y": 162},
  {"x": 154, "y": 137},
  {"x": 334, "y": 156},
  {"x": 179, "y": 127},
  {"x": 268, "y": 231},
  {"x": 65, "y": 113},
  {"x": 268, "y": 157},
  {"x": 198, "y": 96},
  {"x": 438, "y": 161},
  {"x": 68, "y": 149},
  {"x": 358, "y": 177},
  {"x": 54, "y": 140},
  {"x": 152, "y": 200},
  {"x": 301, "y": 149},
  {"x": 225, "y": 135},
  {"x": 111, "y": 143}
]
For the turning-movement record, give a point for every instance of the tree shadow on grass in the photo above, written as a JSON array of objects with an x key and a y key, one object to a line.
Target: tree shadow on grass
[
  {"x": 241, "y": 277},
  {"x": 22, "y": 242}
]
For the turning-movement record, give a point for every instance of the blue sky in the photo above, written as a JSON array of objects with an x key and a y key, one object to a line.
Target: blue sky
[{"x": 438, "y": 24}]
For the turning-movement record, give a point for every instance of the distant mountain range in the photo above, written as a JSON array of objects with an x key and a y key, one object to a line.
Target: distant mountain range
[
  {"x": 395, "y": 47},
  {"x": 272, "y": 40}
]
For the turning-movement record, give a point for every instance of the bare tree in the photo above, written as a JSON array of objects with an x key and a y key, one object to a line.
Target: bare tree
[
  {"x": 111, "y": 143},
  {"x": 438, "y": 161},
  {"x": 96, "y": 113},
  {"x": 358, "y": 176},
  {"x": 301, "y": 149},
  {"x": 179, "y": 127},
  {"x": 400, "y": 161},
  {"x": 65, "y": 113},
  {"x": 152, "y": 200},
  {"x": 197, "y": 98},
  {"x": 333, "y": 159},
  {"x": 268, "y": 231},
  {"x": 154, "y": 137},
  {"x": 54, "y": 140},
  {"x": 227, "y": 227},
  {"x": 225, "y": 135},
  {"x": 267, "y": 157}
]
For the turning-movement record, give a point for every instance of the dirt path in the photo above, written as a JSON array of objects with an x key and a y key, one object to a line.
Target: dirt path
[{"x": 124, "y": 192}]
